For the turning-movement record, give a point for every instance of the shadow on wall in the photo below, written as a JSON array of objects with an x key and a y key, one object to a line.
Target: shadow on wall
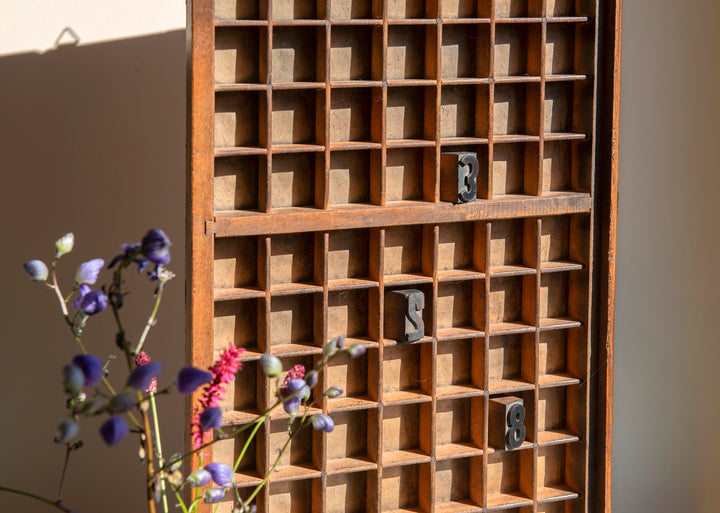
[{"x": 92, "y": 140}]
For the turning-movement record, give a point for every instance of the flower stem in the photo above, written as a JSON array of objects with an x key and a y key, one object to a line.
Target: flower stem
[
  {"x": 56, "y": 504},
  {"x": 258, "y": 422},
  {"x": 55, "y": 286},
  {"x": 151, "y": 319},
  {"x": 64, "y": 470},
  {"x": 161, "y": 461},
  {"x": 150, "y": 461}
]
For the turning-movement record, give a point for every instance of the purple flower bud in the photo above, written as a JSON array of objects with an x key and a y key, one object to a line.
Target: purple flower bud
[
  {"x": 36, "y": 269},
  {"x": 141, "y": 376},
  {"x": 73, "y": 378},
  {"x": 91, "y": 367},
  {"x": 211, "y": 418},
  {"x": 221, "y": 474},
  {"x": 64, "y": 244},
  {"x": 156, "y": 247},
  {"x": 113, "y": 430},
  {"x": 311, "y": 378},
  {"x": 330, "y": 348},
  {"x": 189, "y": 378},
  {"x": 66, "y": 431},
  {"x": 200, "y": 477},
  {"x": 213, "y": 495},
  {"x": 271, "y": 365},
  {"x": 299, "y": 388},
  {"x": 356, "y": 350},
  {"x": 340, "y": 342},
  {"x": 121, "y": 403},
  {"x": 92, "y": 302},
  {"x": 87, "y": 272},
  {"x": 322, "y": 422},
  {"x": 334, "y": 391}
]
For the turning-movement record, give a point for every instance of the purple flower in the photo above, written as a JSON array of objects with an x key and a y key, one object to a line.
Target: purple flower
[
  {"x": 121, "y": 403},
  {"x": 322, "y": 422},
  {"x": 87, "y": 272},
  {"x": 73, "y": 378},
  {"x": 66, "y": 431},
  {"x": 189, "y": 378},
  {"x": 141, "y": 376},
  {"x": 340, "y": 342},
  {"x": 296, "y": 390},
  {"x": 222, "y": 474},
  {"x": 130, "y": 251},
  {"x": 356, "y": 350},
  {"x": 113, "y": 430},
  {"x": 311, "y": 378},
  {"x": 90, "y": 301},
  {"x": 211, "y": 418},
  {"x": 200, "y": 477},
  {"x": 213, "y": 495},
  {"x": 91, "y": 367},
  {"x": 156, "y": 247},
  {"x": 36, "y": 269}
]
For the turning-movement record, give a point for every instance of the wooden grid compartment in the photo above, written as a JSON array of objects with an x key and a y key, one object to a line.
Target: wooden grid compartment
[
  {"x": 329, "y": 121},
  {"x": 459, "y": 368},
  {"x": 517, "y": 48},
  {"x": 465, "y": 52},
  {"x": 458, "y": 485},
  {"x": 459, "y": 426}
]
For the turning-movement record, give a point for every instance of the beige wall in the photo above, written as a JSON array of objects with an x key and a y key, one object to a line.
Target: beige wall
[{"x": 92, "y": 140}]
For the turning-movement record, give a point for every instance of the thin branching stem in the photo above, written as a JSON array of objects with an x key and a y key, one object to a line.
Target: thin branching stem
[{"x": 55, "y": 504}]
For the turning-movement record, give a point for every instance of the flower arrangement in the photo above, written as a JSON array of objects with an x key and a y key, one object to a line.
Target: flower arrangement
[{"x": 132, "y": 410}]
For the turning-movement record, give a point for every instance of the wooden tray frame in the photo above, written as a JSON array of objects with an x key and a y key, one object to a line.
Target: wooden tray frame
[{"x": 527, "y": 207}]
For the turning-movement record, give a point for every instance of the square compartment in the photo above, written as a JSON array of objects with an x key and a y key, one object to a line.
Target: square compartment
[
  {"x": 459, "y": 366},
  {"x": 251, "y": 467},
  {"x": 555, "y": 471},
  {"x": 406, "y": 118},
  {"x": 304, "y": 451},
  {"x": 349, "y": 176},
  {"x": 518, "y": 8},
  {"x": 528, "y": 398},
  {"x": 406, "y": 488},
  {"x": 458, "y": 485},
  {"x": 557, "y": 354},
  {"x": 406, "y": 434},
  {"x": 452, "y": 9},
  {"x": 352, "y": 444},
  {"x": 512, "y": 304},
  {"x": 557, "y": 166},
  {"x": 408, "y": 9},
  {"x": 512, "y": 247},
  {"x": 515, "y": 168},
  {"x": 561, "y": 414},
  {"x": 298, "y": 54},
  {"x": 460, "y": 306},
  {"x": 241, "y": 322},
  {"x": 352, "y": 10},
  {"x": 465, "y": 51},
  {"x": 456, "y": 248},
  {"x": 459, "y": 427},
  {"x": 294, "y": 323},
  {"x": 240, "y": 119},
  {"x": 235, "y": 263},
  {"x": 516, "y": 109},
  {"x": 292, "y": 259},
  {"x": 558, "y": 108},
  {"x": 393, "y": 317},
  {"x": 559, "y": 8},
  {"x": 293, "y": 117},
  {"x": 464, "y": 112},
  {"x": 351, "y": 114},
  {"x": 299, "y": 496},
  {"x": 235, "y": 186},
  {"x": 404, "y": 173},
  {"x": 293, "y": 10},
  {"x": 560, "y": 49},
  {"x": 351, "y": 374},
  {"x": 511, "y": 362},
  {"x": 517, "y": 50},
  {"x": 293, "y": 179},
  {"x": 240, "y": 9},
  {"x": 347, "y": 313},
  {"x": 563, "y": 297},
  {"x": 408, "y": 252},
  {"x": 564, "y": 242},
  {"x": 351, "y": 53},
  {"x": 406, "y": 52},
  {"x": 348, "y": 255},
  {"x": 509, "y": 479},
  {"x": 238, "y": 55},
  {"x": 406, "y": 375},
  {"x": 351, "y": 493}
]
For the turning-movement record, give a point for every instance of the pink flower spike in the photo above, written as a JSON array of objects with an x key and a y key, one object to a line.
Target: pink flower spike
[{"x": 141, "y": 359}]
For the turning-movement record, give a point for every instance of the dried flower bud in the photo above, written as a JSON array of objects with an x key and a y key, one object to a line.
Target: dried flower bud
[
  {"x": 213, "y": 495},
  {"x": 175, "y": 478},
  {"x": 73, "y": 378},
  {"x": 92, "y": 368},
  {"x": 36, "y": 269},
  {"x": 87, "y": 272},
  {"x": 271, "y": 365},
  {"x": 322, "y": 422},
  {"x": 221, "y": 474},
  {"x": 66, "y": 431},
  {"x": 189, "y": 378},
  {"x": 311, "y": 378},
  {"x": 200, "y": 477},
  {"x": 113, "y": 430},
  {"x": 334, "y": 391},
  {"x": 64, "y": 244},
  {"x": 356, "y": 350},
  {"x": 211, "y": 418},
  {"x": 141, "y": 376}
]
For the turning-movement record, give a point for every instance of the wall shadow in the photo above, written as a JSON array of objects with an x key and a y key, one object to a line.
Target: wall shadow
[{"x": 92, "y": 141}]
